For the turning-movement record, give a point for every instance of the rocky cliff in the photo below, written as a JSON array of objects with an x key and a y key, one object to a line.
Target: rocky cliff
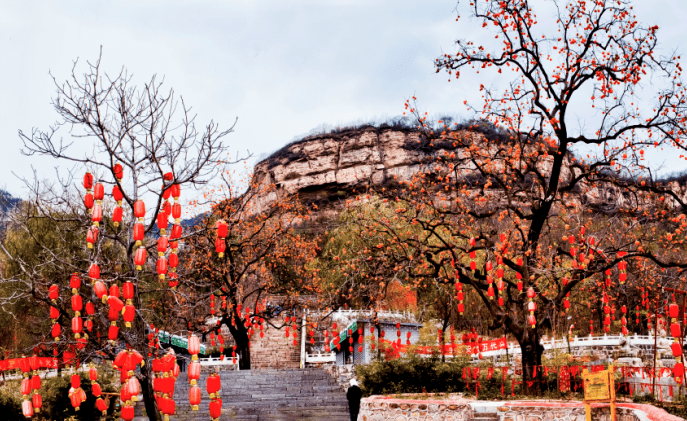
[{"x": 324, "y": 169}]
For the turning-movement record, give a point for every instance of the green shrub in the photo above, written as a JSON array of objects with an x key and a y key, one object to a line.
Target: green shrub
[{"x": 411, "y": 374}]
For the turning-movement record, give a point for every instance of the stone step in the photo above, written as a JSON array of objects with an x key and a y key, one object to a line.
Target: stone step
[{"x": 269, "y": 394}]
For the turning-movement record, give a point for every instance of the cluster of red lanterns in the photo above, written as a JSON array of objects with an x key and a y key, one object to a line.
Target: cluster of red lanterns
[
  {"x": 170, "y": 265},
  {"x": 126, "y": 362},
  {"x": 623, "y": 319},
  {"x": 76, "y": 394},
  {"x": 166, "y": 372},
  {"x": 31, "y": 403},
  {"x": 372, "y": 335},
  {"x": 97, "y": 391},
  {"x": 337, "y": 338},
  {"x": 531, "y": 307},
  {"x": 220, "y": 242},
  {"x": 607, "y": 312},
  {"x": 194, "y": 372},
  {"x": 56, "y": 330},
  {"x": 460, "y": 297},
  {"x": 675, "y": 347},
  {"x": 473, "y": 341},
  {"x": 213, "y": 385},
  {"x": 117, "y": 195}
]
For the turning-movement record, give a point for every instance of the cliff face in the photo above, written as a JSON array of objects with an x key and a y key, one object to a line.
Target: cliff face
[{"x": 326, "y": 168}]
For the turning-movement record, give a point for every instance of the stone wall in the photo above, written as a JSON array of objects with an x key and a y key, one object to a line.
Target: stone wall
[
  {"x": 274, "y": 350},
  {"x": 376, "y": 409},
  {"x": 539, "y": 413},
  {"x": 381, "y": 408},
  {"x": 342, "y": 374}
]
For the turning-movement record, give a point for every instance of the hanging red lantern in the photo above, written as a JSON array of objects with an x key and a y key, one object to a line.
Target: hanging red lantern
[
  {"x": 118, "y": 171},
  {"x": 127, "y": 413},
  {"x": 100, "y": 290},
  {"x": 194, "y": 397},
  {"x": 117, "y": 195},
  {"x": 56, "y": 331},
  {"x": 77, "y": 326},
  {"x": 220, "y": 247},
  {"x": 193, "y": 372},
  {"x": 128, "y": 314},
  {"x": 213, "y": 384},
  {"x": 176, "y": 191},
  {"x": 91, "y": 236},
  {"x": 88, "y": 202},
  {"x": 37, "y": 402},
  {"x": 53, "y": 292},
  {"x": 88, "y": 181},
  {"x": 54, "y": 313},
  {"x": 176, "y": 233},
  {"x": 162, "y": 222},
  {"x": 27, "y": 409},
  {"x": 139, "y": 233},
  {"x": 112, "y": 333},
  {"x": 222, "y": 229},
  {"x": 140, "y": 257},
  {"x": 215, "y": 409},
  {"x": 99, "y": 193},
  {"x": 97, "y": 214},
  {"x": 140, "y": 210},
  {"x": 128, "y": 291},
  {"x": 94, "y": 272},
  {"x": 193, "y": 347},
  {"x": 161, "y": 267},
  {"x": 117, "y": 216},
  {"x": 176, "y": 212}
]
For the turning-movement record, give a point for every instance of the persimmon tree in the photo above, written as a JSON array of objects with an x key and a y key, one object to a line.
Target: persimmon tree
[
  {"x": 143, "y": 145},
  {"x": 541, "y": 209},
  {"x": 249, "y": 259}
]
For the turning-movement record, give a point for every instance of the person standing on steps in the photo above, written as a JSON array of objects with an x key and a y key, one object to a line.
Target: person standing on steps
[{"x": 354, "y": 394}]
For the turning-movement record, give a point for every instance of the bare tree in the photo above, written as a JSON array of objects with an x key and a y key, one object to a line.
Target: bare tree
[{"x": 144, "y": 143}]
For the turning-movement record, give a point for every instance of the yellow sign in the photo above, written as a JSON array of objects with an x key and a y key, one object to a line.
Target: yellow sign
[{"x": 599, "y": 387}]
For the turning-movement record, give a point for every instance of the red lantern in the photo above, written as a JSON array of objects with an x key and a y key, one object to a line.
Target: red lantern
[
  {"x": 56, "y": 331},
  {"x": 115, "y": 303},
  {"x": 173, "y": 261},
  {"x": 93, "y": 374},
  {"x": 26, "y": 387},
  {"x": 129, "y": 314},
  {"x": 54, "y": 312},
  {"x": 176, "y": 191},
  {"x": 213, "y": 385},
  {"x": 117, "y": 216},
  {"x": 222, "y": 229},
  {"x": 193, "y": 347},
  {"x": 676, "y": 348},
  {"x": 139, "y": 233},
  {"x": 128, "y": 290},
  {"x": 53, "y": 292},
  {"x": 117, "y": 195},
  {"x": 112, "y": 333},
  {"x": 77, "y": 303},
  {"x": 27, "y": 409},
  {"x": 100, "y": 290},
  {"x": 162, "y": 222},
  {"x": 97, "y": 214},
  {"x": 140, "y": 209},
  {"x": 37, "y": 401},
  {"x": 176, "y": 212},
  {"x": 88, "y": 201},
  {"x": 193, "y": 372},
  {"x": 91, "y": 237},
  {"x": 88, "y": 181},
  {"x": 127, "y": 413},
  {"x": 94, "y": 272},
  {"x": 674, "y": 310},
  {"x": 532, "y": 320},
  {"x": 176, "y": 233},
  {"x": 220, "y": 247},
  {"x": 140, "y": 257},
  {"x": 99, "y": 192},
  {"x": 161, "y": 267},
  {"x": 118, "y": 171},
  {"x": 215, "y": 409},
  {"x": 77, "y": 326},
  {"x": 100, "y": 404}
]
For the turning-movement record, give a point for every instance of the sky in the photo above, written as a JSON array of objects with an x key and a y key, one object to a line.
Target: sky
[{"x": 283, "y": 69}]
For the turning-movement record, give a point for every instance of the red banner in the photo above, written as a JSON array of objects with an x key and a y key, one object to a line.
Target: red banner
[{"x": 13, "y": 364}]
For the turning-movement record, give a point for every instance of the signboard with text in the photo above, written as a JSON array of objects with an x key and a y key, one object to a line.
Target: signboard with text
[{"x": 599, "y": 387}]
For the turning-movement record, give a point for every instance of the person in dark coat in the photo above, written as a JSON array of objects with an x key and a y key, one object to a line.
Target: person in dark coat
[{"x": 354, "y": 394}]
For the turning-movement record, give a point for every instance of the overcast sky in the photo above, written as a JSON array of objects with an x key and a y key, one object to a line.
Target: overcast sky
[{"x": 283, "y": 68}]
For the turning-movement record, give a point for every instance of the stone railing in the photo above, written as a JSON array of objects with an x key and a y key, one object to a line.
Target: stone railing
[{"x": 216, "y": 364}]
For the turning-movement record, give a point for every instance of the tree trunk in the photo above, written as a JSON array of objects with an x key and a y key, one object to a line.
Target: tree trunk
[
  {"x": 531, "y": 351},
  {"x": 148, "y": 393},
  {"x": 244, "y": 355}
]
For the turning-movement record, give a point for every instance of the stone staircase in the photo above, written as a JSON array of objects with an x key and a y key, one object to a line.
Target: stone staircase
[{"x": 283, "y": 394}]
